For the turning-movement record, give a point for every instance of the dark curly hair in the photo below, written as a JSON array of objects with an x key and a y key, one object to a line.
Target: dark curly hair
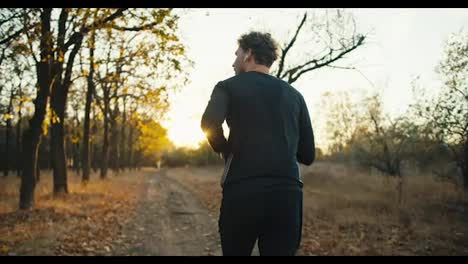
[{"x": 263, "y": 47}]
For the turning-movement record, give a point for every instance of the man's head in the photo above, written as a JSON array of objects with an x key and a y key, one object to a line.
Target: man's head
[{"x": 255, "y": 49}]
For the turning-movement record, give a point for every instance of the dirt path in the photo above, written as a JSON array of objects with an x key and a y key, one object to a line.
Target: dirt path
[
  {"x": 169, "y": 221},
  {"x": 149, "y": 213}
]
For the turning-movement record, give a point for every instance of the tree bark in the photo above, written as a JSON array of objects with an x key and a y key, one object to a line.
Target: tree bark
[
  {"x": 76, "y": 147},
  {"x": 18, "y": 138},
  {"x": 123, "y": 156},
  {"x": 130, "y": 146},
  {"x": 94, "y": 153},
  {"x": 38, "y": 166},
  {"x": 114, "y": 139},
  {"x": 105, "y": 144},
  {"x": 89, "y": 99},
  {"x": 464, "y": 166},
  {"x": 59, "y": 101},
  {"x": 59, "y": 160},
  {"x": 31, "y": 137},
  {"x": 7, "y": 136}
]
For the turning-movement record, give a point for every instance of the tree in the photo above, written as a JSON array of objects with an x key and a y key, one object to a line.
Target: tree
[
  {"x": 62, "y": 78},
  {"x": 11, "y": 28},
  {"x": 446, "y": 115},
  {"x": 334, "y": 37},
  {"x": 31, "y": 136},
  {"x": 361, "y": 132},
  {"x": 136, "y": 70},
  {"x": 342, "y": 119},
  {"x": 57, "y": 36},
  {"x": 15, "y": 64},
  {"x": 7, "y": 134},
  {"x": 153, "y": 140},
  {"x": 89, "y": 98},
  {"x": 380, "y": 141}
]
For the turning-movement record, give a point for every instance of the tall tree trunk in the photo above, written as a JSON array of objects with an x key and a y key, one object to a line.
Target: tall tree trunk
[
  {"x": 114, "y": 139},
  {"x": 76, "y": 144},
  {"x": 59, "y": 159},
  {"x": 51, "y": 142},
  {"x": 28, "y": 177},
  {"x": 123, "y": 156},
  {"x": 105, "y": 144},
  {"x": 464, "y": 166},
  {"x": 59, "y": 101},
  {"x": 31, "y": 137},
  {"x": 18, "y": 138},
  {"x": 38, "y": 166},
  {"x": 94, "y": 154},
  {"x": 76, "y": 157},
  {"x": 130, "y": 146},
  {"x": 89, "y": 97},
  {"x": 8, "y": 135}
]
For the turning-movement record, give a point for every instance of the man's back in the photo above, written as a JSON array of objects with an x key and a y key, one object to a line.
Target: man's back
[
  {"x": 270, "y": 132},
  {"x": 270, "y": 129}
]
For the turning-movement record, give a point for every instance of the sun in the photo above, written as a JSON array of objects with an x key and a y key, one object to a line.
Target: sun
[{"x": 186, "y": 133}]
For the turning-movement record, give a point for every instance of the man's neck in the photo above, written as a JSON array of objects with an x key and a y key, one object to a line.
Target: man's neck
[{"x": 259, "y": 68}]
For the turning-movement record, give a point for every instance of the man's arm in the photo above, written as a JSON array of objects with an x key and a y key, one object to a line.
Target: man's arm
[
  {"x": 306, "y": 148},
  {"x": 213, "y": 118}
]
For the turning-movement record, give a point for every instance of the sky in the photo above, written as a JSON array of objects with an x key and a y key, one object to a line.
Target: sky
[{"x": 401, "y": 44}]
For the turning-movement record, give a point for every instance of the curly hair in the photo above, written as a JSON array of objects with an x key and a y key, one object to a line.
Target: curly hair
[{"x": 263, "y": 47}]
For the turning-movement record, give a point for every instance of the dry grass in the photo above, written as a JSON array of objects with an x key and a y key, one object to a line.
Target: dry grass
[
  {"x": 351, "y": 211},
  {"x": 82, "y": 222}
]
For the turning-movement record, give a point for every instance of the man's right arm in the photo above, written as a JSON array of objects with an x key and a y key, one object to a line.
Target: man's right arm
[
  {"x": 306, "y": 148},
  {"x": 213, "y": 118}
]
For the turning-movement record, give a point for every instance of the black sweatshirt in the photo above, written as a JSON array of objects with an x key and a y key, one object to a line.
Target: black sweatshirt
[{"x": 270, "y": 130}]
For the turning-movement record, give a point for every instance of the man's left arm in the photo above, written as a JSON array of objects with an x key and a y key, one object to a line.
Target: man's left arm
[{"x": 213, "y": 118}]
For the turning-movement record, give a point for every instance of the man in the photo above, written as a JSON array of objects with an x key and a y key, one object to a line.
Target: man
[{"x": 270, "y": 132}]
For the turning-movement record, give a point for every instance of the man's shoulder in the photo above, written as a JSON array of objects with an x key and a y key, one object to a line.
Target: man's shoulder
[
  {"x": 241, "y": 78},
  {"x": 233, "y": 79},
  {"x": 292, "y": 90},
  {"x": 225, "y": 82},
  {"x": 249, "y": 76},
  {"x": 229, "y": 82}
]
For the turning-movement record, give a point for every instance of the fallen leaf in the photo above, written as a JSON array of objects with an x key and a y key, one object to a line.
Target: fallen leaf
[
  {"x": 362, "y": 235},
  {"x": 4, "y": 249},
  {"x": 354, "y": 249}
]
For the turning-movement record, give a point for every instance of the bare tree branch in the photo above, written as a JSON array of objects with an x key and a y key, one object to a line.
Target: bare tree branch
[
  {"x": 28, "y": 36},
  {"x": 341, "y": 67},
  {"x": 12, "y": 36},
  {"x": 10, "y": 18},
  {"x": 293, "y": 76},
  {"x": 137, "y": 28},
  {"x": 288, "y": 47},
  {"x": 75, "y": 37},
  {"x": 69, "y": 67}
]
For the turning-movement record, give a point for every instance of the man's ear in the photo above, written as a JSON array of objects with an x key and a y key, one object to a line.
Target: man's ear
[{"x": 247, "y": 54}]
